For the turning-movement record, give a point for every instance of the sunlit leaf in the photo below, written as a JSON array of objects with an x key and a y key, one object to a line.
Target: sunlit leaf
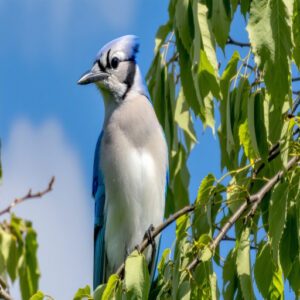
[
  {"x": 183, "y": 117},
  {"x": 243, "y": 264},
  {"x": 277, "y": 217},
  {"x": 184, "y": 23},
  {"x": 296, "y": 32},
  {"x": 137, "y": 279},
  {"x": 263, "y": 269},
  {"x": 161, "y": 35},
  {"x": 39, "y": 295},
  {"x": 269, "y": 31},
  {"x": 221, "y": 18},
  {"x": 83, "y": 293}
]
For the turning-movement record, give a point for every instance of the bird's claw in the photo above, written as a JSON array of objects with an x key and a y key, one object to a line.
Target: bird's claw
[{"x": 149, "y": 237}]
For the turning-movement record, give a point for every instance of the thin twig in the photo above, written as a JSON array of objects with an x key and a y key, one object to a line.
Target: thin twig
[
  {"x": 172, "y": 59},
  {"x": 231, "y": 41},
  {"x": 28, "y": 196},
  {"x": 255, "y": 200},
  {"x": 157, "y": 230},
  {"x": 296, "y": 79},
  {"x": 4, "y": 294}
]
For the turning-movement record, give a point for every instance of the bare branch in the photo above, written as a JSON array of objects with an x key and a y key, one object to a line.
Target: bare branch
[
  {"x": 296, "y": 79},
  {"x": 255, "y": 200},
  {"x": 28, "y": 196},
  {"x": 231, "y": 41}
]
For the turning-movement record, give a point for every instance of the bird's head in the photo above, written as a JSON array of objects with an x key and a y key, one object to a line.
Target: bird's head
[{"x": 114, "y": 70}]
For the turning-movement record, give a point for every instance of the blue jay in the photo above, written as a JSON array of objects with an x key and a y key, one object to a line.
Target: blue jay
[{"x": 131, "y": 159}]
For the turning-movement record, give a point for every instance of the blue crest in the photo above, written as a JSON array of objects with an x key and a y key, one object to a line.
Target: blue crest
[{"x": 126, "y": 48}]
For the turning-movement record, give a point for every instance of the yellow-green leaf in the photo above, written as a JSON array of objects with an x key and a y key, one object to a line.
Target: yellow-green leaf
[
  {"x": 137, "y": 281},
  {"x": 183, "y": 117},
  {"x": 243, "y": 264},
  {"x": 277, "y": 217}
]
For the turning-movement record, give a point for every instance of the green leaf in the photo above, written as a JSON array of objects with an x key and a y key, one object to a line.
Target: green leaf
[
  {"x": 164, "y": 257},
  {"x": 98, "y": 293},
  {"x": 269, "y": 31},
  {"x": 83, "y": 293},
  {"x": 13, "y": 259},
  {"x": 39, "y": 295},
  {"x": 245, "y": 7},
  {"x": 296, "y": 32},
  {"x": 289, "y": 245},
  {"x": 28, "y": 265},
  {"x": 263, "y": 268},
  {"x": 5, "y": 243},
  {"x": 230, "y": 278},
  {"x": 206, "y": 254},
  {"x": 256, "y": 125},
  {"x": 294, "y": 276},
  {"x": 245, "y": 141},
  {"x": 207, "y": 37},
  {"x": 243, "y": 264},
  {"x": 277, "y": 217},
  {"x": 228, "y": 74},
  {"x": 110, "y": 288},
  {"x": 205, "y": 189},
  {"x": 183, "y": 117},
  {"x": 208, "y": 79},
  {"x": 186, "y": 77},
  {"x": 221, "y": 18},
  {"x": 179, "y": 183},
  {"x": 213, "y": 286},
  {"x": 137, "y": 279},
  {"x": 183, "y": 21},
  {"x": 276, "y": 290},
  {"x": 161, "y": 35},
  {"x": 226, "y": 138}
]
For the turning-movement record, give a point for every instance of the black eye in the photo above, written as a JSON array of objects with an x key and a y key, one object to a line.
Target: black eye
[{"x": 114, "y": 62}]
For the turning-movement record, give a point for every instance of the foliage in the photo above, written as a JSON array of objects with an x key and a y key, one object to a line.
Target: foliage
[
  {"x": 255, "y": 206},
  {"x": 18, "y": 255},
  {"x": 258, "y": 134}
]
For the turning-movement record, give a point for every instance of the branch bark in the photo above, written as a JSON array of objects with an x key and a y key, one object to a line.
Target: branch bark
[
  {"x": 157, "y": 230},
  {"x": 231, "y": 41},
  {"x": 28, "y": 196},
  {"x": 255, "y": 200},
  {"x": 4, "y": 294}
]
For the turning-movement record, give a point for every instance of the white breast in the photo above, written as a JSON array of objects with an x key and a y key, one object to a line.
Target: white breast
[
  {"x": 134, "y": 163},
  {"x": 134, "y": 201}
]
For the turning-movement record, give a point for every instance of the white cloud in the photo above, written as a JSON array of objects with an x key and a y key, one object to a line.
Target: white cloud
[{"x": 63, "y": 218}]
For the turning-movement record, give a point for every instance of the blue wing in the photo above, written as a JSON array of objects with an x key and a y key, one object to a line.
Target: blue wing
[{"x": 99, "y": 226}]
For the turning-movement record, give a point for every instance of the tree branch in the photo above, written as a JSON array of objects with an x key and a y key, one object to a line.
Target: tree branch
[
  {"x": 157, "y": 230},
  {"x": 222, "y": 235},
  {"x": 28, "y": 196},
  {"x": 255, "y": 200},
  {"x": 231, "y": 41},
  {"x": 4, "y": 294}
]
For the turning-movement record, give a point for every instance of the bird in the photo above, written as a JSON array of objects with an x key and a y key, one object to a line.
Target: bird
[{"x": 130, "y": 162}]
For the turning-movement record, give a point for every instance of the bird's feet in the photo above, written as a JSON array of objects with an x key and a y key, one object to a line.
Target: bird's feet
[{"x": 149, "y": 237}]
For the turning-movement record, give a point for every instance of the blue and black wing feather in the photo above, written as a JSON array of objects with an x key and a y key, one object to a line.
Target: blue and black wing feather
[{"x": 99, "y": 225}]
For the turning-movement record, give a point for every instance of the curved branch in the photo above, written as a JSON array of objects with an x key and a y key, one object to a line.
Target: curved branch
[
  {"x": 28, "y": 196},
  {"x": 157, "y": 230},
  {"x": 4, "y": 294},
  {"x": 231, "y": 41},
  {"x": 255, "y": 200}
]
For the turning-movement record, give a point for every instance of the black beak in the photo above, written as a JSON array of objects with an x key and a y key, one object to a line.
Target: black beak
[{"x": 92, "y": 76}]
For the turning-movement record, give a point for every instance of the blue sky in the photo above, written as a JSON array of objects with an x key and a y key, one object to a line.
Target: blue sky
[{"x": 49, "y": 124}]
